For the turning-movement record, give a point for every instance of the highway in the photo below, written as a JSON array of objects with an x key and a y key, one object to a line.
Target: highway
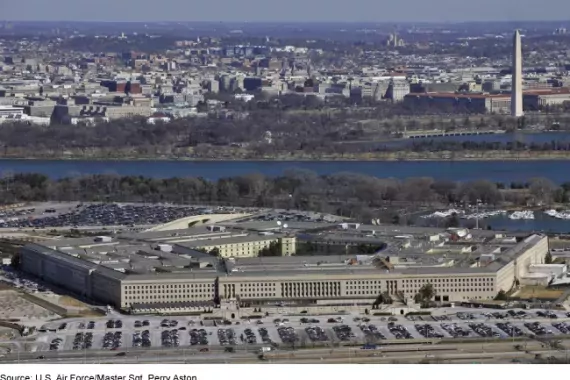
[{"x": 467, "y": 352}]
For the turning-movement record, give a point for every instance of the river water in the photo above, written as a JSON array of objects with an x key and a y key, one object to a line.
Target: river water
[{"x": 497, "y": 171}]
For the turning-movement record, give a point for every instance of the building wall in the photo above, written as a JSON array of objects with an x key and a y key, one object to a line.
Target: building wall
[
  {"x": 514, "y": 270},
  {"x": 453, "y": 288},
  {"x": 433, "y": 87},
  {"x": 65, "y": 113},
  {"x": 127, "y": 111},
  {"x": 498, "y": 105},
  {"x": 491, "y": 85},
  {"x": 456, "y": 102},
  {"x": 288, "y": 245},
  {"x": 40, "y": 110},
  {"x": 11, "y": 111},
  {"x": 51, "y": 269},
  {"x": 105, "y": 289},
  {"x": 398, "y": 90},
  {"x": 318, "y": 288},
  {"x": 250, "y": 248},
  {"x": 31, "y": 262},
  {"x": 333, "y": 247},
  {"x": 160, "y": 290},
  {"x": 554, "y": 99}
]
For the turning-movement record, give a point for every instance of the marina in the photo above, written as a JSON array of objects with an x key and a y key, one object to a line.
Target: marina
[{"x": 551, "y": 221}]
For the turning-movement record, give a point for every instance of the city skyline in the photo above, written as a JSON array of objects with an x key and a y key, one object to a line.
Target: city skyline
[{"x": 256, "y": 10}]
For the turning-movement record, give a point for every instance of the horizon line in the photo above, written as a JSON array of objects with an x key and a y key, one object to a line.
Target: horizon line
[{"x": 287, "y": 21}]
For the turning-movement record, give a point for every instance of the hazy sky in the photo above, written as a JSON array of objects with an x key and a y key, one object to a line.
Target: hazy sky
[{"x": 284, "y": 10}]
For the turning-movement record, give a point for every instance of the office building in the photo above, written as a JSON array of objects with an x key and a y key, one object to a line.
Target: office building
[{"x": 146, "y": 270}]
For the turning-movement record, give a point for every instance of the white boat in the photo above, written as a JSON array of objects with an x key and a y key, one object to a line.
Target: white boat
[
  {"x": 558, "y": 215},
  {"x": 484, "y": 214},
  {"x": 443, "y": 214},
  {"x": 524, "y": 215}
]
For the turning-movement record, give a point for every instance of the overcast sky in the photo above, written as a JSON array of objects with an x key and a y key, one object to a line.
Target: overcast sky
[{"x": 284, "y": 10}]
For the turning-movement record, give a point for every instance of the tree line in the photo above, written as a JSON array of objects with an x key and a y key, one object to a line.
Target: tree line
[
  {"x": 429, "y": 145},
  {"x": 347, "y": 194}
]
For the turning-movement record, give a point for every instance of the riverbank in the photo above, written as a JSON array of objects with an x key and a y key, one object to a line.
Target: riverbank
[{"x": 491, "y": 155}]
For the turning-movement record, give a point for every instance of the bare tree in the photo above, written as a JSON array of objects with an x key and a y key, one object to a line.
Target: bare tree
[{"x": 542, "y": 190}]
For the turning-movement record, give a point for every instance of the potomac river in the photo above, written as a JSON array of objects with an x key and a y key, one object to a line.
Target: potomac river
[{"x": 496, "y": 171}]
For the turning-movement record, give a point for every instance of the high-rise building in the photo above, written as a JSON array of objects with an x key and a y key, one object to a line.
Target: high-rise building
[{"x": 516, "y": 86}]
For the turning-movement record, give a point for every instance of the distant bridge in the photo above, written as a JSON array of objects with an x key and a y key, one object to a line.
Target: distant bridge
[{"x": 424, "y": 135}]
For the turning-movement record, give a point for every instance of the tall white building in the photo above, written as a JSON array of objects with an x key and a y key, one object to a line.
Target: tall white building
[{"x": 516, "y": 86}]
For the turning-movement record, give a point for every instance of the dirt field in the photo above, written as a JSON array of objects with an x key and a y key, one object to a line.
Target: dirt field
[
  {"x": 66, "y": 301},
  {"x": 540, "y": 292},
  {"x": 16, "y": 307},
  {"x": 4, "y": 286}
]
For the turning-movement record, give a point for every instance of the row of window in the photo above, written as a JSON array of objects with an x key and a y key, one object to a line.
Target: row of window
[
  {"x": 362, "y": 282},
  {"x": 457, "y": 290},
  {"x": 257, "y": 295},
  {"x": 374, "y": 287},
  {"x": 173, "y": 286},
  {"x": 170, "y": 297},
  {"x": 176, "y": 291},
  {"x": 442, "y": 286},
  {"x": 239, "y": 247},
  {"x": 448, "y": 280},
  {"x": 362, "y": 292},
  {"x": 310, "y": 289},
  {"x": 257, "y": 285},
  {"x": 255, "y": 243}
]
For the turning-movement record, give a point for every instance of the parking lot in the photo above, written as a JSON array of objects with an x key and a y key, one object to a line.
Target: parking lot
[
  {"x": 399, "y": 331},
  {"x": 428, "y": 331},
  {"x": 484, "y": 330},
  {"x": 317, "y": 334},
  {"x": 124, "y": 332},
  {"x": 372, "y": 332},
  {"x": 112, "y": 214},
  {"x": 294, "y": 216}
]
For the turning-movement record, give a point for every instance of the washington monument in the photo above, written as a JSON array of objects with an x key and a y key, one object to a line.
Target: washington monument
[{"x": 516, "y": 86}]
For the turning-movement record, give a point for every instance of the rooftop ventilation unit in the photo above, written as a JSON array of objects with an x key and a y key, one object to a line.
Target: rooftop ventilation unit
[{"x": 164, "y": 247}]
